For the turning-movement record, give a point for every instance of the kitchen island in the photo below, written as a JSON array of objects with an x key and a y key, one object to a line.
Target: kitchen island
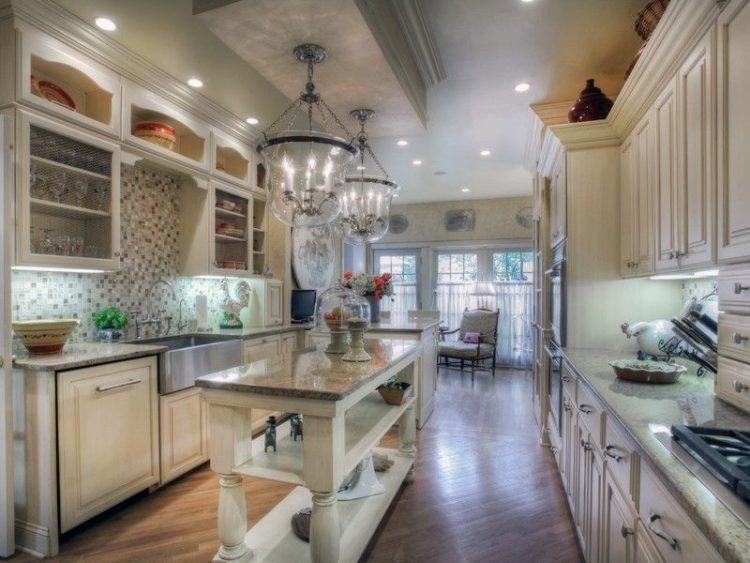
[{"x": 344, "y": 419}]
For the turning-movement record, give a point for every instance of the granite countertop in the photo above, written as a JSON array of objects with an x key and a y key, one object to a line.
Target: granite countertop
[
  {"x": 311, "y": 373},
  {"x": 252, "y": 332},
  {"x": 402, "y": 323},
  {"x": 649, "y": 410},
  {"x": 83, "y": 355}
]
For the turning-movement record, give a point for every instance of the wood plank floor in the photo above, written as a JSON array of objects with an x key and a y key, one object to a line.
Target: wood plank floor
[{"x": 483, "y": 491}]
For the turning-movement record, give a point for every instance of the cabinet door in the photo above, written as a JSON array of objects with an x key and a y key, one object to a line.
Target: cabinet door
[
  {"x": 274, "y": 307},
  {"x": 618, "y": 534},
  {"x": 642, "y": 233},
  {"x": 666, "y": 197},
  {"x": 558, "y": 202},
  {"x": 184, "y": 432},
  {"x": 733, "y": 128},
  {"x": 627, "y": 210},
  {"x": 696, "y": 150},
  {"x": 594, "y": 503},
  {"x": 581, "y": 472},
  {"x": 428, "y": 376},
  {"x": 108, "y": 436},
  {"x": 644, "y": 550},
  {"x": 289, "y": 343}
]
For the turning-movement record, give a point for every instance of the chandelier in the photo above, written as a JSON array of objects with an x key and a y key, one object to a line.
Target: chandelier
[
  {"x": 366, "y": 201},
  {"x": 306, "y": 168}
]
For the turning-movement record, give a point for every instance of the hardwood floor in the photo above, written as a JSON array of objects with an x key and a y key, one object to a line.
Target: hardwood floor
[{"x": 483, "y": 490}]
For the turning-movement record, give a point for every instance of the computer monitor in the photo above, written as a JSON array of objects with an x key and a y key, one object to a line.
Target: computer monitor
[{"x": 303, "y": 305}]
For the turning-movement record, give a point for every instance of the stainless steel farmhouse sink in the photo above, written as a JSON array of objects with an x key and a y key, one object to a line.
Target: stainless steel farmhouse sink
[{"x": 193, "y": 355}]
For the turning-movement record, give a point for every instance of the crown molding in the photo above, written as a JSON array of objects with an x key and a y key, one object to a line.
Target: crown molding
[
  {"x": 384, "y": 25},
  {"x": 586, "y": 135},
  {"x": 57, "y": 22},
  {"x": 683, "y": 24},
  {"x": 555, "y": 113},
  {"x": 413, "y": 24}
]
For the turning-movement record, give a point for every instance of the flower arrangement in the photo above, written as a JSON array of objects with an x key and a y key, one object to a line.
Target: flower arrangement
[{"x": 365, "y": 284}]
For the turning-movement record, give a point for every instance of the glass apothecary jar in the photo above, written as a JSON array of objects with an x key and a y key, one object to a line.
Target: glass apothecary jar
[{"x": 337, "y": 311}]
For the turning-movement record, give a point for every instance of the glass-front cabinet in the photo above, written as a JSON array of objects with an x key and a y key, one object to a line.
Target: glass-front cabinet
[
  {"x": 68, "y": 195},
  {"x": 232, "y": 229}
]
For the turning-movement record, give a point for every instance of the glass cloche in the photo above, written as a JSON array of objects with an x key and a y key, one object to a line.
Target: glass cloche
[{"x": 338, "y": 308}]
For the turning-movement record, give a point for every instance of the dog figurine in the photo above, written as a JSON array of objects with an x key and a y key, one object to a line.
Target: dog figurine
[
  {"x": 296, "y": 423},
  {"x": 270, "y": 434}
]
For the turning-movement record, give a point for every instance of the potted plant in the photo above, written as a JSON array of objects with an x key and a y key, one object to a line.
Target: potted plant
[
  {"x": 372, "y": 288},
  {"x": 110, "y": 322}
]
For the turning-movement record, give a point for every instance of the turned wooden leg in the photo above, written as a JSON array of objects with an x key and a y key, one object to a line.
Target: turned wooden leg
[
  {"x": 324, "y": 528},
  {"x": 232, "y": 520},
  {"x": 407, "y": 431}
]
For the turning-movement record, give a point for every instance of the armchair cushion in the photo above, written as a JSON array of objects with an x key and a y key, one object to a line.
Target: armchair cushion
[
  {"x": 465, "y": 350},
  {"x": 472, "y": 337},
  {"x": 481, "y": 321}
]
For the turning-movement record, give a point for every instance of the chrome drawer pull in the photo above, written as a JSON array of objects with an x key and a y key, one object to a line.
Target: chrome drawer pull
[
  {"x": 608, "y": 451},
  {"x": 585, "y": 409},
  {"x": 625, "y": 531},
  {"x": 737, "y": 338},
  {"x": 738, "y": 386},
  {"x": 101, "y": 389},
  {"x": 585, "y": 445},
  {"x": 739, "y": 288},
  {"x": 653, "y": 517}
]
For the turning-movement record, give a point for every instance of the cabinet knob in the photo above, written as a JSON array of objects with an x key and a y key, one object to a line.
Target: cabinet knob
[
  {"x": 625, "y": 531},
  {"x": 739, "y": 288},
  {"x": 737, "y": 338},
  {"x": 117, "y": 253},
  {"x": 738, "y": 386},
  {"x": 585, "y": 445},
  {"x": 585, "y": 409}
]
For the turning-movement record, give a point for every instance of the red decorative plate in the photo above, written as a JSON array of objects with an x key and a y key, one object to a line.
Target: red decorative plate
[{"x": 53, "y": 93}]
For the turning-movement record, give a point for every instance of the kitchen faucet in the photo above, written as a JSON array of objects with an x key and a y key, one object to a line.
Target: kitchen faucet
[{"x": 150, "y": 317}]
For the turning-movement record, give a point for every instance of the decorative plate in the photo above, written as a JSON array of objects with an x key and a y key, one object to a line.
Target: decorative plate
[
  {"x": 525, "y": 217},
  {"x": 398, "y": 224},
  {"x": 52, "y": 93},
  {"x": 313, "y": 257},
  {"x": 647, "y": 371}
]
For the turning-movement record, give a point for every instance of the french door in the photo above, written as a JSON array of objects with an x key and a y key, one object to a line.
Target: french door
[{"x": 403, "y": 265}]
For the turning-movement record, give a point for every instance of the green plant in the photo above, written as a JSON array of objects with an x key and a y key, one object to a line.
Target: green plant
[{"x": 111, "y": 317}]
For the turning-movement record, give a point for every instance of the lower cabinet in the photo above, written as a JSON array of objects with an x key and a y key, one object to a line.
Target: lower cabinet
[
  {"x": 267, "y": 348},
  {"x": 184, "y": 432},
  {"x": 108, "y": 436},
  {"x": 644, "y": 550},
  {"x": 618, "y": 521},
  {"x": 289, "y": 343}
]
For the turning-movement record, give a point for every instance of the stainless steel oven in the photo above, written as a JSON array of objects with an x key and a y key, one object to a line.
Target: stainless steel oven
[
  {"x": 556, "y": 276},
  {"x": 554, "y": 384}
]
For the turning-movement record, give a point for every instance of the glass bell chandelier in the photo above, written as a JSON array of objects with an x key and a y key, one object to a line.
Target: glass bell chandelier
[
  {"x": 306, "y": 169},
  {"x": 366, "y": 201}
]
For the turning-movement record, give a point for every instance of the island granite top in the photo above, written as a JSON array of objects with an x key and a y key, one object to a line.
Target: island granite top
[
  {"x": 647, "y": 410},
  {"x": 77, "y": 355},
  {"x": 311, "y": 373},
  {"x": 403, "y": 323}
]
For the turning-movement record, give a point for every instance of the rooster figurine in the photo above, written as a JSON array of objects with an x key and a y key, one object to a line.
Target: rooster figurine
[{"x": 233, "y": 305}]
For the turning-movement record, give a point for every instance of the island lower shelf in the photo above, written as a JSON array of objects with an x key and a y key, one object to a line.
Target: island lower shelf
[
  {"x": 365, "y": 424},
  {"x": 273, "y": 541}
]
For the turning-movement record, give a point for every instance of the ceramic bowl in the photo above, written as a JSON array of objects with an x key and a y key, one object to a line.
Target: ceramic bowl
[
  {"x": 45, "y": 336},
  {"x": 157, "y": 133},
  {"x": 647, "y": 371}
]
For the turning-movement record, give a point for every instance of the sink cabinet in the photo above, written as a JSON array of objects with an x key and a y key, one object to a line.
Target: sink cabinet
[
  {"x": 108, "y": 438},
  {"x": 183, "y": 432}
]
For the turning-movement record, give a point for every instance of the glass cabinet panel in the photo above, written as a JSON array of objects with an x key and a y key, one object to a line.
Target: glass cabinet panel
[{"x": 232, "y": 224}]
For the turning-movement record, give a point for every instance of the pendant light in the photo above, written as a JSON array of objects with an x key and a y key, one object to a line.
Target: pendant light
[
  {"x": 306, "y": 169},
  {"x": 366, "y": 202}
]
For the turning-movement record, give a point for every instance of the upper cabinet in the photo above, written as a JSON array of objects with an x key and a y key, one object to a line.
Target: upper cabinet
[
  {"x": 58, "y": 79},
  {"x": 636, "y": 206},
  {"x": 68, "y": 196},
  {"x": 733, "y": 79},
  {"x": 558, "y": 201},
  {"x": 155, "y": 125},
  {"x": 231, "y": 160}
]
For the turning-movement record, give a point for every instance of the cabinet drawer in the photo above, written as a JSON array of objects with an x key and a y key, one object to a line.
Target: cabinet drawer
[
  {"x": 569, "y": 381},
  {"x": 734, "y": 336},
  {"x": 734, "y": 290},
  {"x": 266, "y": 348},
  {"x": 733, "y": 383},
  {"x": 676, "y": 538},
  {"x": 590, "y": 411},
  {"x": 621, "y": 457},
  {"x": 555, "y": 443}
]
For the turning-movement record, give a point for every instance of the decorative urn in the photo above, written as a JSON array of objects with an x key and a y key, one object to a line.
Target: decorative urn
[{"x": 591, "y": 104}]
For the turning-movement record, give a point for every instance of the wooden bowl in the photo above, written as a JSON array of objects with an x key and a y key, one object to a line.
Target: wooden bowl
[
  {"x": 395, "y": 394},
  {"x": 45, "y": 336},
  {"x": 647, "y": 371}
]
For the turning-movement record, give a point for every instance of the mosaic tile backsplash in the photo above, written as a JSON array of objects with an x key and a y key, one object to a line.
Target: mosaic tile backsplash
[{"x": 149, "y": 230}]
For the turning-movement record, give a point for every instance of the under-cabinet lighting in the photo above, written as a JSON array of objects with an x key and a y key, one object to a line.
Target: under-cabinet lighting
[
  {"x": 485, "y": 152},
  {"x": 465, "y": 190},
  {"x": 706, "y": 273},
  {"x": 105, "y": 23},
  {"x": 663, "y": 277},
  {"x": 195, "y": 82},
  {"x": 62, "y": 270},
  {"x": 522, "y": 87},
  {"x": 416, "y": 162},
  {"x": 213, "y": 277}
]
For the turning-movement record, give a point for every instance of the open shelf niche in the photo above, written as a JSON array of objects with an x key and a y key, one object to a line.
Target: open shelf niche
[{"x": 187, "y": 142}]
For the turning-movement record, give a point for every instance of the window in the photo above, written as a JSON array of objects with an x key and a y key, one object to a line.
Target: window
[
  {"x": 512, "y": 266},
  {"x": 457, "y": 267},
  {"x": 404, "y": 269}
]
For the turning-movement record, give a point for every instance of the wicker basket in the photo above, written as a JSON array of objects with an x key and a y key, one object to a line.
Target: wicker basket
[
  {"x": 395, "y": 394},
  {"x": 649, "y": 17}
]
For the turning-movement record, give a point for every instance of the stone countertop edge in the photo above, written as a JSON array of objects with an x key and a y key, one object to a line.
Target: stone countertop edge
[
  {"x": 404, "y": 325},
  {"x": 252, "y": 332},
  {"x": 85, "y": 355},
  {"x": 724, "y": 531}
]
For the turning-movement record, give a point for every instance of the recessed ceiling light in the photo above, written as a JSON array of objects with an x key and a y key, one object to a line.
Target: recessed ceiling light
[
  {"x": 195, "y": 82},
  {"x": 360, "y": 167},
  {"x": 402, "y": 142},
  {"x": 416, "y": 162},
  {"x": 527, "y": 1},
  {"x": 464, "y": 190},
  {"x": 485, "y": 152},
  {"x": 105, "y": 23},
  {"x": 252, "y": 120},
  {"x": 522, "y": 87}
]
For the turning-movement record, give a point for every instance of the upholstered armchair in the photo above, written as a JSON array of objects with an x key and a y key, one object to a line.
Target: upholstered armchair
[{"x": 477, "y": 340}]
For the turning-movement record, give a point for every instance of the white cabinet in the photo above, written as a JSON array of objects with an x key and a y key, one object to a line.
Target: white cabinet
[
  {"x": 58, "y": 79},
  {"x": 266, "y": 302},
  {"x": 733, "y": 127},
  {"x": 266, "y": 351},
  {"x": 636, "y": 219},
  {"x": 68, "y": 196},
  {"x": 618, "y": 521},
  {"x": 695, "y": 179},
  {"x": 108, "y": 436},
  {"x": 183, "y": 432},
  {"x": 232, "y": 160},
  {"x": 289, "y": 343},
  {"x": 558, "y": 201}
]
